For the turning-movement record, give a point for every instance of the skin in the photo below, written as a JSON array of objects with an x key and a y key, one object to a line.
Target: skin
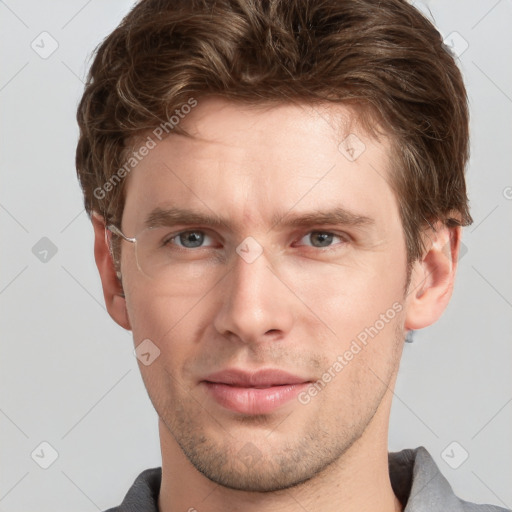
[{"x": 296, "y": 307}]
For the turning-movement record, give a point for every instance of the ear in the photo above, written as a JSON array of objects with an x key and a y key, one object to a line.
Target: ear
[
  {"x": 112, "y": 288},
  {"x": 433, "y": 277}
]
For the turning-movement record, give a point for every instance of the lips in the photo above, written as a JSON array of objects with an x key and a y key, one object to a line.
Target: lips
[{"x": 260, "y": 392}]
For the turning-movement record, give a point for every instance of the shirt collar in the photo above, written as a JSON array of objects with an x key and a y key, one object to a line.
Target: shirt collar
[
  {"x": 415, "y": 479},
  {"x": 418, "y": 483}
]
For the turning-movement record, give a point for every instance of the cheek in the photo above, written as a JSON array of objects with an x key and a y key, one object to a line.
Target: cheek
[
  {"x": 349, "y": 298},
  {"x": 161, "y": 318},
  {"x": 167, "y": 322},
  {"x": 363, "y": 355},
  {"x": 175, "y": 323}
]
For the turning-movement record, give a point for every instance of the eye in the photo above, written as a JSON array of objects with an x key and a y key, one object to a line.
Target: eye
[
  {"x": 189, "y": 239},
  {"x": 321, "y": 239}
]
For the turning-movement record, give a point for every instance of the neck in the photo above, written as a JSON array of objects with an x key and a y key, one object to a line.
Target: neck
[{"x": 359, "y": 480}]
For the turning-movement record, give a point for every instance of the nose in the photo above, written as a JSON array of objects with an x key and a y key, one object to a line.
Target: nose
[{"x": 257, "y": 305}]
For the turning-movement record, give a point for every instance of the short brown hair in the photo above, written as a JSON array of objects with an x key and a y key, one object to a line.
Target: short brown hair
[{"x": 385, "y": 58}]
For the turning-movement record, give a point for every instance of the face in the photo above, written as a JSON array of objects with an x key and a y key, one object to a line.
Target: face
[{"x": 281, "y": 324}]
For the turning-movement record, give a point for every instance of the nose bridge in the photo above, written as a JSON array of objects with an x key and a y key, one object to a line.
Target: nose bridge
[{"x": 255, "y": 304}]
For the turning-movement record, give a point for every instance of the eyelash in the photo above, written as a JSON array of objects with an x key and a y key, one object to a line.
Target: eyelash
[{"x": 342, "y": 236}]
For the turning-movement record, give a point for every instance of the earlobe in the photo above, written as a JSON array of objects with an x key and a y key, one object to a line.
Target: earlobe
[
  {"x": 433, "y": 277},
  {"x": 112, "y": 288}
]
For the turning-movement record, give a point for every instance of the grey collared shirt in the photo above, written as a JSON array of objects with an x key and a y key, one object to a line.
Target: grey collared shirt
[{"x": 415, "y": 478}]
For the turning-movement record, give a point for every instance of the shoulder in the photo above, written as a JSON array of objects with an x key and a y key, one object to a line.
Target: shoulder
[{"x": 143, "y": 494}]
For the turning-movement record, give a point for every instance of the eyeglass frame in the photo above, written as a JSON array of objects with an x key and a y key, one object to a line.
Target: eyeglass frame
[{"x": 117, "y": 231}]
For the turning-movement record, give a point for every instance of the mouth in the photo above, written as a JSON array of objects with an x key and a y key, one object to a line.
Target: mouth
[{"x": 250, "y": 393}]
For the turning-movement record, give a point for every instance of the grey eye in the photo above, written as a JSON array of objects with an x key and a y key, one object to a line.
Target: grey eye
[
  {"x": 321, "y": 238},
  {"x": 191, "y": 239}
]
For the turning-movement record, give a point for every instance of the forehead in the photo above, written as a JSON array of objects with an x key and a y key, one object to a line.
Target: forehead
[
  {"x": 255, "y": 161},
  {"x": 216, "y": 119}
]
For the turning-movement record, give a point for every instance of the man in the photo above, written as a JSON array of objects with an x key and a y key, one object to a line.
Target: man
[{"x": 277, "y": 193}]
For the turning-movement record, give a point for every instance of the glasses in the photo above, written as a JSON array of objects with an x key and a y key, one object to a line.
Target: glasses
[{"x": 159, "y": 258}]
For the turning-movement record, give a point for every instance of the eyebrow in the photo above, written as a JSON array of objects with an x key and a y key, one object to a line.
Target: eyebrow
[{"x": 339, "y": 216}]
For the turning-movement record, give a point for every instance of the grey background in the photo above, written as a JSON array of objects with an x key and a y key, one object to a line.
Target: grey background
[{"x": 68, "y": 372}]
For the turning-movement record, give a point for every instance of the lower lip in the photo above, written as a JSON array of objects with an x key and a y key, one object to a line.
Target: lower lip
[{"x": 253, "y": 400}]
